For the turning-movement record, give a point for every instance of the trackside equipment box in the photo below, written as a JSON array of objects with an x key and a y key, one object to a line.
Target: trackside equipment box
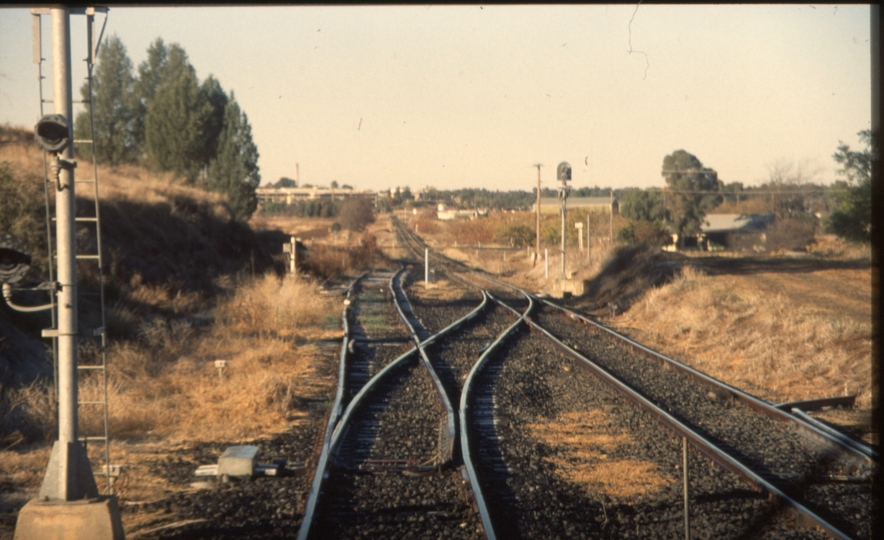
[{"x": 238, "y": 461}]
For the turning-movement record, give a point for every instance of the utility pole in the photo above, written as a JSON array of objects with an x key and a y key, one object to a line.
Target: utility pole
[
  {"x": 563, "y": 175},
  {"x": 537, "y": 212},
  {"x": 612, "y": 216}
]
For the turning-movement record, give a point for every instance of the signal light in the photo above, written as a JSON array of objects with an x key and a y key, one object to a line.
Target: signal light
[
  {"x": 53, "y": 133},
  {"x": 14, "y": 260}
]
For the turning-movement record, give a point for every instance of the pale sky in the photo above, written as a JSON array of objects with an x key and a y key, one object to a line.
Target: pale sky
[{"x": 474, "y": 96}]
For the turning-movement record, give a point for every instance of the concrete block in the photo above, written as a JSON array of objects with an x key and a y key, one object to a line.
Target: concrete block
[
  {"x": 238, "y": 461},
  {"x": 91, "y": 519},
  {"x": 569, "y": 287}
]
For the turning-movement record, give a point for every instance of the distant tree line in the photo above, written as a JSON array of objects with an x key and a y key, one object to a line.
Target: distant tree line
[
  {"x": 313, "y": 208},
  {"x": 168, "y": 120}
]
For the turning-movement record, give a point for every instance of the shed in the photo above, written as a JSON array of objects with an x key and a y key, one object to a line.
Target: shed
[{"x": 718, "y": 229}]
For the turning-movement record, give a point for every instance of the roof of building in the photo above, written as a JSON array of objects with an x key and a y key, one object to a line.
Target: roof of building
[{"x": 719, "y": 223}]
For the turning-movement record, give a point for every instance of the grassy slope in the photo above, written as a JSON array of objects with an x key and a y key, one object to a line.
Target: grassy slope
[{"x": 187, "y": 285}]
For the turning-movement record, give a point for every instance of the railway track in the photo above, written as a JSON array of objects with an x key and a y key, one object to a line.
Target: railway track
[
  {"x": 387, "y": 467},
  {"x": 487, "y": 412},
  {"x": 783, "y": 461}
]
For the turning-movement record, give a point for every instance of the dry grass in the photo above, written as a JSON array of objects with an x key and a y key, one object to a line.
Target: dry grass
[
  {"x": 776, "y": 344},
  {"x": 583, "y": 441},
  {"x": 180, "y": 298},
  {"x": 170, "y": 369}
]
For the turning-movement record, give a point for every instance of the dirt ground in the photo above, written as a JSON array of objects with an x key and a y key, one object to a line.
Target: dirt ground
[{"x": 837, "y": 287}]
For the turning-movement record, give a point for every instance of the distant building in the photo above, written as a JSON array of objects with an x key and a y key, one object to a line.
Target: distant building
[
  {"x": 444, "y": 214},
  {"x": 552, "y": 205},
  {"x": 719, "y": 229},
  {"x": 295, "y": 194}
]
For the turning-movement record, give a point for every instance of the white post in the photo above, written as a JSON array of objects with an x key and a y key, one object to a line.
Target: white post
[
  {"x": 588, "y": 248},
  {"x": 426, "y": 266},
  {"x": 687, "y": 507},
  {"x": 579, "y": 227}
]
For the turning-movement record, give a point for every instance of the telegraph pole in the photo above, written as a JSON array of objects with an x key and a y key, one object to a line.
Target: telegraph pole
[
  {"x": 563, "y": 175},
  {"x": 537, "y": 212}
]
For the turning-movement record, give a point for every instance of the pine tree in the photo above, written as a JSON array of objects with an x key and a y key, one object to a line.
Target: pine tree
[
  {"x": 218, "y": 99},
  {"x": 234, "y": 171},
  {"x": 149, "y": 76},
  {"x": 116, "y": 109},
  {"x": 178, "y": 118}
]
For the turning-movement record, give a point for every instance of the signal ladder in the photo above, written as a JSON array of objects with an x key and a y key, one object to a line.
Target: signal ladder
[{"x": 91, "y": 373}]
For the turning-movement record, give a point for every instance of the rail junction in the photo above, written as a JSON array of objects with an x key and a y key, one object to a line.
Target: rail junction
[
  {"x": 484, "y": 411},
  {"x": 508, "y": 416}
]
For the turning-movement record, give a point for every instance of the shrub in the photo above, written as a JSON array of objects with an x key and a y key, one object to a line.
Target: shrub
[
  {"x": 644, "y": 232},
  {"x": 790, "y": 233},
  {"x": 471, "y": 231},
  {"x": 356, "y": 213},
  {"x": 22, "y": 211}
]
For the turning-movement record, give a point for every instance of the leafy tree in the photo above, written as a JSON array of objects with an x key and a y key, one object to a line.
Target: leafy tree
[
  {"x": 594, "y": 191},
  {"x": 116, "y": 110},
  {"x": 285, "y": 182},
  {"x": 234, "y": 171},
  {"x": 178, "y": 118},
  {"x": 790, "y": 187},
  {"x": 643, "y": 205},
  {"x": 693, "y": 191},
  {"x": 856, "y": 166},
  {"x": 356, "y": 213},
  {"x": 852, "y": 218},
  {"x": 383, "y": 205}
]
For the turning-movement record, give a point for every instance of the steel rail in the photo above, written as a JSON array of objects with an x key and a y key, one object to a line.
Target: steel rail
[
  {"x": 336, "y": 431},
  {"x": 344, "y": 425},
  {"x": 463, "y": 411},
  {"x": 860, "y": 446},
  {"x": 863, "y": 454},
  {"x": 807, "y": 427},
  {"x": 334, "y": 415},
  {"x": 700, "y": 443},
  {"x": 448, "y": 451}
]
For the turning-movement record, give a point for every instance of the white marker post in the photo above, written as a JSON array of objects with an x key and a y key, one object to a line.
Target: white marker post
[
  {"x": 579, "y": 227},
  {"x": 426, "y": 267}
]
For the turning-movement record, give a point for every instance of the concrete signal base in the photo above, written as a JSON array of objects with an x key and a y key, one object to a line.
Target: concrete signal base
[
  {"x": 568, "y": 288},
  {"x": 90, "y": 519}
]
